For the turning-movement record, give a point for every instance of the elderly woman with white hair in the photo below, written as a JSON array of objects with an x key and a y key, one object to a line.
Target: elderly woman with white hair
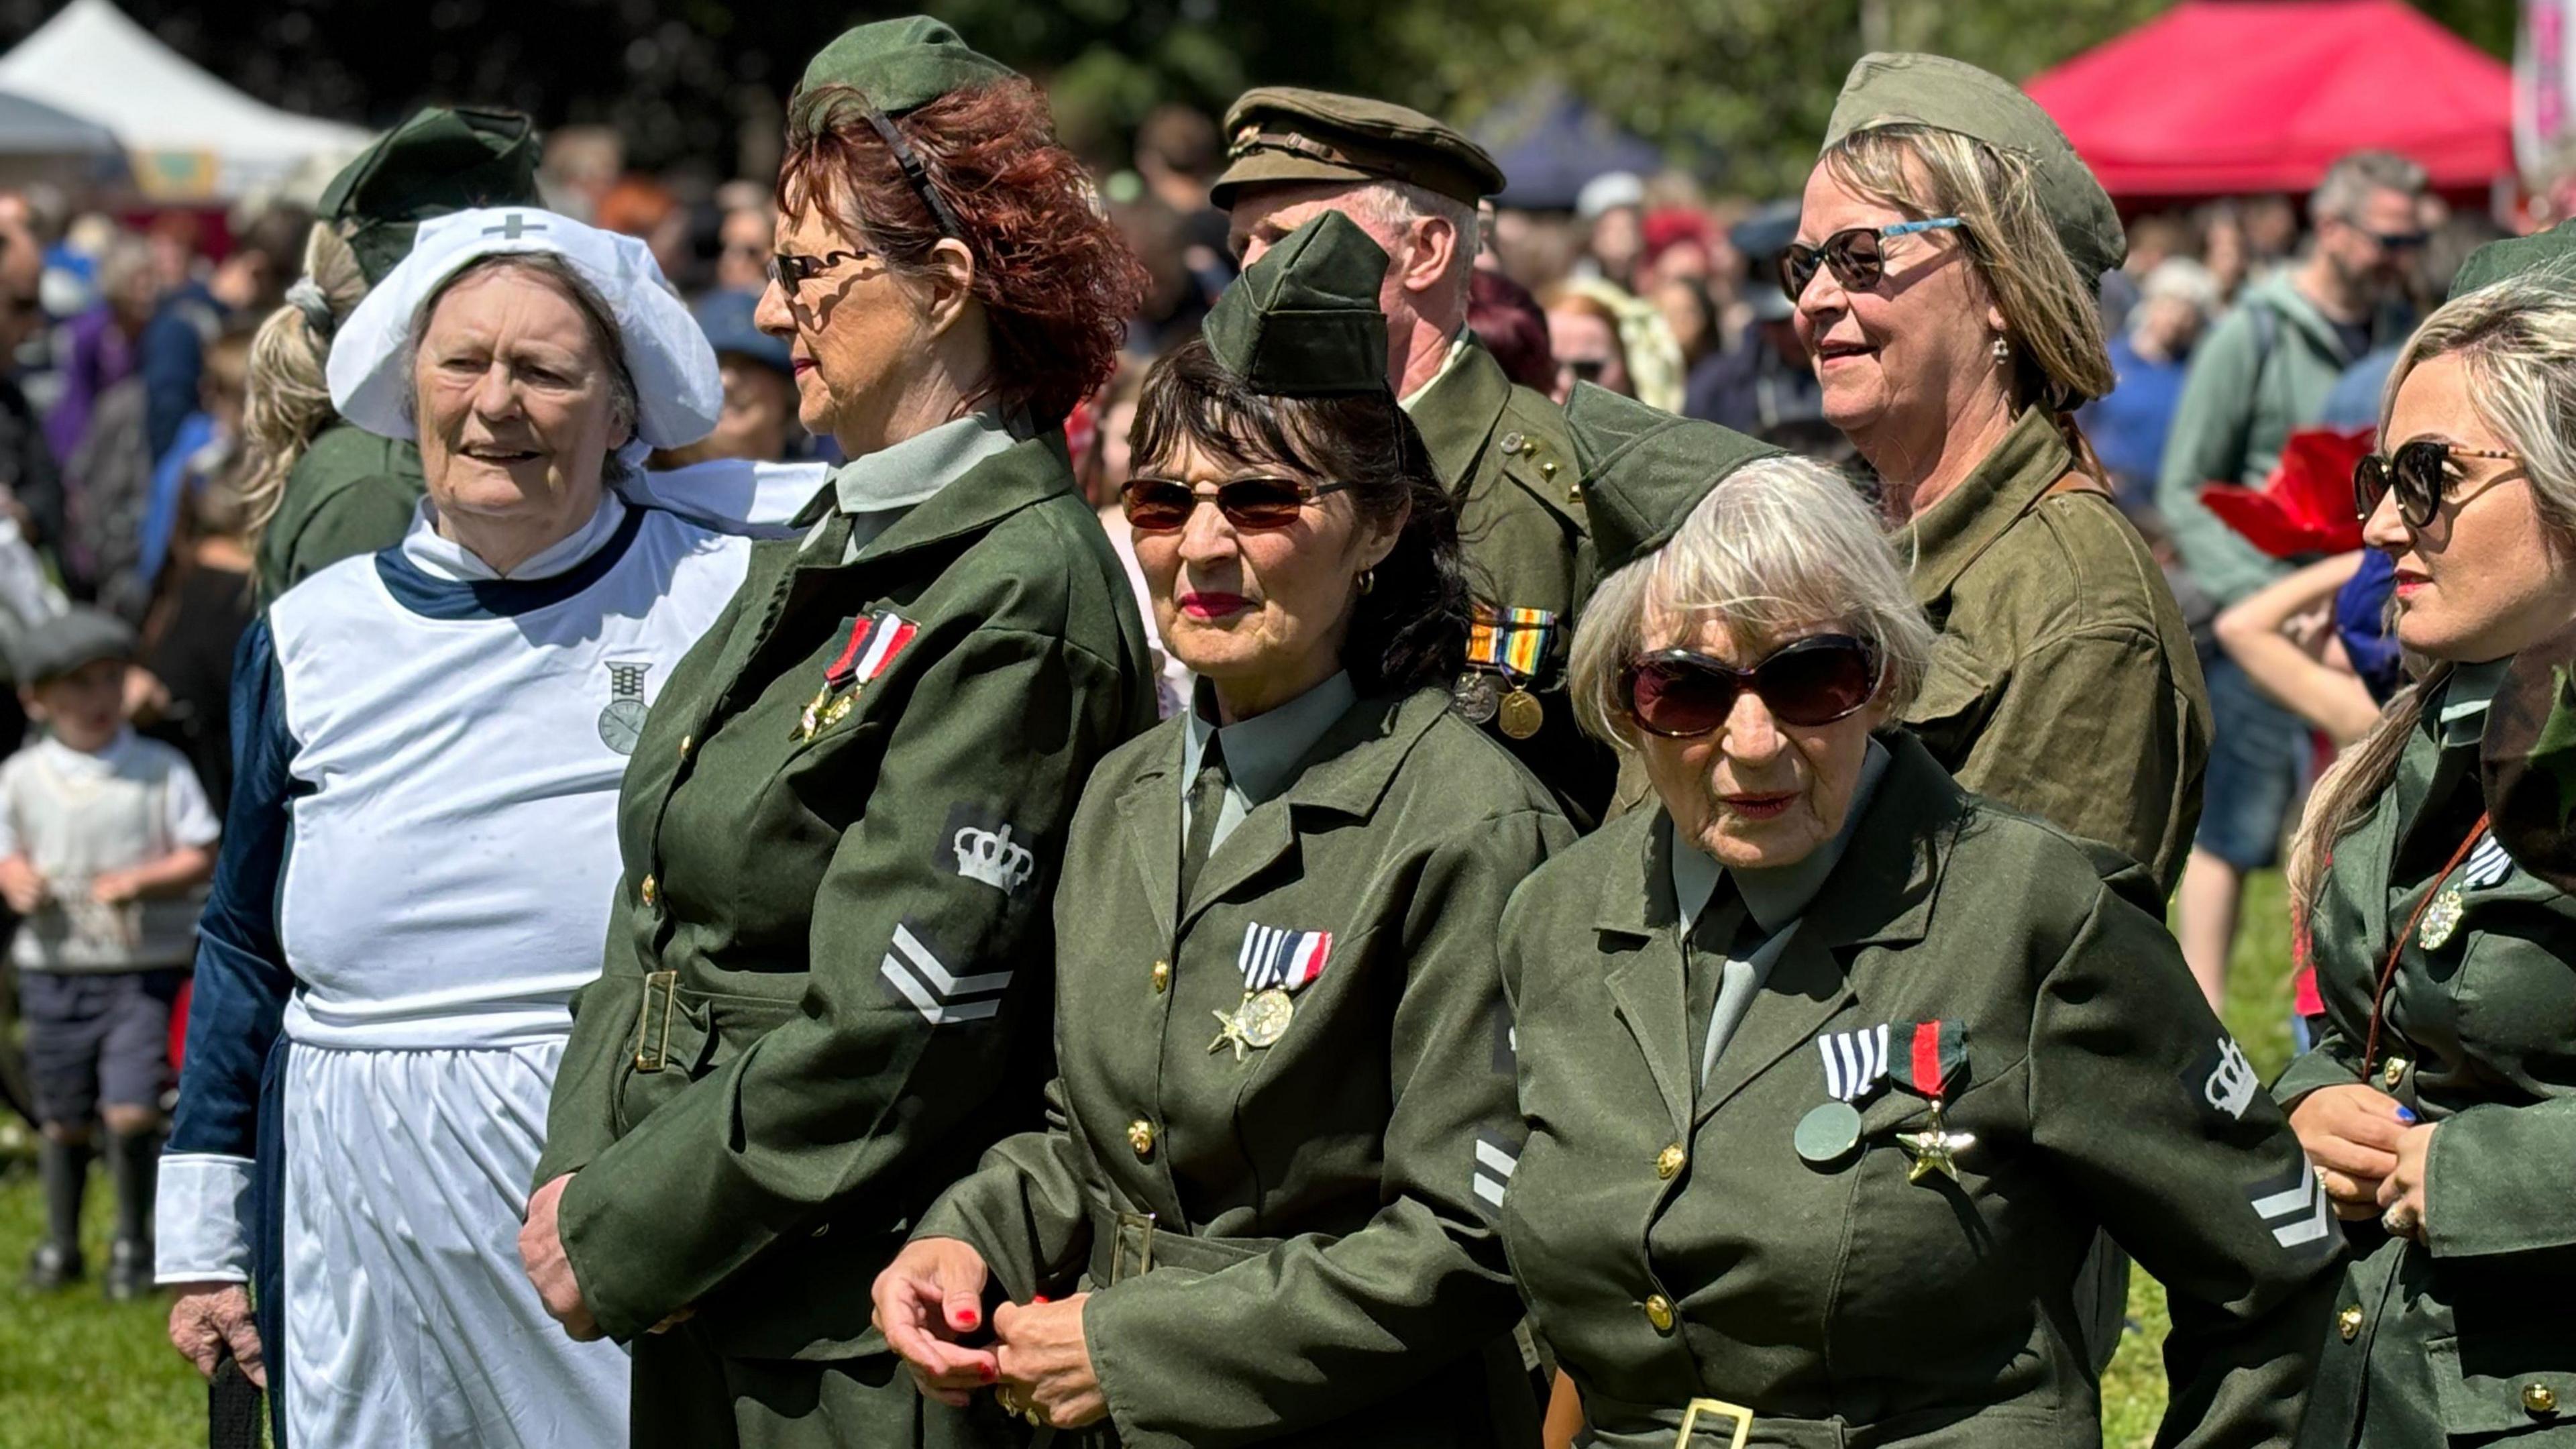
[
  {"x": 1831, "y": 1071},
  {"x": 418, "y": 864}
]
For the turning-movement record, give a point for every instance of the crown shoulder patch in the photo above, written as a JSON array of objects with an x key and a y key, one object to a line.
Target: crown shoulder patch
[{"x": 981, "y": 846}]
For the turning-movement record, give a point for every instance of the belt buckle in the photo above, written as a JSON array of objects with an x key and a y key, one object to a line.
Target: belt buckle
[
  {"x": 1715, "y": 1409},
  {"x": 1144, "y": 1224},
  {"x": 653, "y": 1029}
]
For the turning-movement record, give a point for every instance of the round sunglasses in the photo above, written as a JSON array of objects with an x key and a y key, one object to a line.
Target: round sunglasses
[
  {"x": 1855, "y": 254},
  {"x": 2418, "y": 472},
  {"x": 1682, "y": 693},
  {"x": 1259, "y": 505}
]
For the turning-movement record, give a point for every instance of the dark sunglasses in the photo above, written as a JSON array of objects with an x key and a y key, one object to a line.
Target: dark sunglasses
[
  {"x": 2397, "y": 241},
  {"x": 1164, "y": 505},
  {"x": 1854, "y": 253},
  {"x": 792, "y": 271},
  {"x": 2419, "y": 471},
  {"x": 1681, "y": 693},
  {"x": 1586, "y": 369}
]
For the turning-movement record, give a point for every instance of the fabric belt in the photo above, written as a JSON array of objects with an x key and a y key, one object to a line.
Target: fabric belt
[
  {"x": 674, "y": 1023},
  {"x": 1715, "y": 1424},
  {"x": 1127, "y": 1245}
]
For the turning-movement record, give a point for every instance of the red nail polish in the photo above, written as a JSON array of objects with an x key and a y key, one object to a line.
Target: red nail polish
[
  {"x": 989, "y": 1372},
  {"x": 1034, "y": 1302}
]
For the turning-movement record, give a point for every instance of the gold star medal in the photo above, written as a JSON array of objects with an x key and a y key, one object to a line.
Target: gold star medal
[
  {"x": 1934, "y": 1150},
  {"x": 1230, "y": 1030}
]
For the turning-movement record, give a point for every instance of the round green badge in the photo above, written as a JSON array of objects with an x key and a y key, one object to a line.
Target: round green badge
[{"x": 1828, "y": 1133}]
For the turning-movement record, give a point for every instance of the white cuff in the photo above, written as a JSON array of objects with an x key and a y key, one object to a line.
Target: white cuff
[{"x": 202, "y": 1217}]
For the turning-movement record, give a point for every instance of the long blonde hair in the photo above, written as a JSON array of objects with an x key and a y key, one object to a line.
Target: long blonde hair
[
  {"x": 2517, "y": 339},
  {"x": 2060, "y": 358},
  {"x": 287, "y": 401}
]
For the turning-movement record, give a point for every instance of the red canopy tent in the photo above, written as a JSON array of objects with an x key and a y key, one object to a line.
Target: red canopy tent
[{"x": 2217, "y": 97}]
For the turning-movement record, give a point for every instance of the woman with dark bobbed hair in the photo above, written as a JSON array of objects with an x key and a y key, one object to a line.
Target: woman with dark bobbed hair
[
  {"x": 826, "y": 988},
  {"x": 1261, "y": 1212}
]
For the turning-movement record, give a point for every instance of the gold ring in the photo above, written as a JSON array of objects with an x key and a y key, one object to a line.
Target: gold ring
[{"x": 2398, "y": 1221}]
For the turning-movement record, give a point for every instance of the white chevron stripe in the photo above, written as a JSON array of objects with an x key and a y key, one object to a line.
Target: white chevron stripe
[
  {"x": 936, "y": 976},
  {"x": 2309, "y": 1215}
]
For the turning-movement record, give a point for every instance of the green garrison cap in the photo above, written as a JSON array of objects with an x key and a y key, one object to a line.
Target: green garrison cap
[
  {"x": 1280, "y": 135},
  {"x": 2527, "y": 759},
  {"x": 438, "y": 161},
  {"x": 1644, "y": 470},
  {"x": 899, "y": 65},
  {"x": 1303, "y": 321},
  {"x": 1903, "y": 89},
  {"x": 2552, "y": 251}
]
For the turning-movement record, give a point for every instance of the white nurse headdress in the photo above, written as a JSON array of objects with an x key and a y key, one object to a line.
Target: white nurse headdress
[{"x": 678, "y": 390}]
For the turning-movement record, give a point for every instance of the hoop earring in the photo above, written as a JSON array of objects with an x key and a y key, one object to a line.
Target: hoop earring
[{"x": 1368, "y": 580}]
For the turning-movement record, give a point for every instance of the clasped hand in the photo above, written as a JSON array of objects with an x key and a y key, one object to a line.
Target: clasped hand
[
  {"x": 2369, "y": 1153},
  {"x": 931, "y": 1297}
]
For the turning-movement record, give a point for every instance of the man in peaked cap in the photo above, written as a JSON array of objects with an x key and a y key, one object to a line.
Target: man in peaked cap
[
  {"x": 1412, "y": 183},
  {"x": 353, "y": 492}
]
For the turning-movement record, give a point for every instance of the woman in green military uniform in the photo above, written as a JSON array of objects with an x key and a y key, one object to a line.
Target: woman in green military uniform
[
  {"x": 2439, "y": 1103},
  {"x": 1949, "y": 246},
  {"x": 825, "y": 989},
  {"x": 1283, "y": 1109},
  {"x": 1831, "y": 1071}
]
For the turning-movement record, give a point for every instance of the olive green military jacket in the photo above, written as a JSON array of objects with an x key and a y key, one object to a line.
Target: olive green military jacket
[
  {"x": 351, "y": 493},
  {"x": 1675, "y": 1242},
  {"x": 827, "y": 974},
  {"x": 1504, "y": 453},
  {"x": 2466, "y": 1334},
  {"x": 1292, "y": 1248},
  {"x": 2064, "y": 682}
]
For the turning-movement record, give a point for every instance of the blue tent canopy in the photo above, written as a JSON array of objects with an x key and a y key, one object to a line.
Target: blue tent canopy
[{"x": 1549, "y": 143}]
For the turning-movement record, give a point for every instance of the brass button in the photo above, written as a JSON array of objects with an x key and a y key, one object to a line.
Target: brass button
[
  {"x": 2539, "y": 1399},
  {"x": 1547, "y": 470},
  {"x": 2396, "y": 1072},
  {"x": 2348, "y": 1323},
  {"x": 1670, "y": 1160},
  {"x": 685, "y": 742},
  {"x": 648, "y": 890},
  {"x": 1162, "y": 977},
  {"x": 1140, "y": 1135},
  {"x": 1659, "y": 1312}
]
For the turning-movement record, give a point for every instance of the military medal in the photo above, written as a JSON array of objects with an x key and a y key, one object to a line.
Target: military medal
[
  {"x": 2441, "y": 919},
  {"x": 1475, "y": 696},
  {"x": 1828, "y": 1132},
  {"x": 1929, "y": 1058},
  {"x": 875, "y": 639},
  {"x": 1506, "y": 646},
  {"x": 1276, "y": 964}
]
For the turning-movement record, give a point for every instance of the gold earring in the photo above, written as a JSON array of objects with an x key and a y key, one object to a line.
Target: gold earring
[{"x": 1368, "y": 580}]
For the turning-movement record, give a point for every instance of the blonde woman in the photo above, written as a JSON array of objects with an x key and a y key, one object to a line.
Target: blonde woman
[
  {"x": 1948, "y": 249},
  {"x": 2439, "y": 1103}
]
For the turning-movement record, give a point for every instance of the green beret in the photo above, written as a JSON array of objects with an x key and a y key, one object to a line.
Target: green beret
[
  {"x": 1904, "y": 89},
  {"x": 899, "y": 65},
  {"x": 438, "y": 161},
  {"x": 1303, "y": 321},
  {"x": 1280, "y": 135},
  {"x": 2551, "y": 251},
  {"x": 2527, "y": 757},
  {"x": 1643, "y": 470}
]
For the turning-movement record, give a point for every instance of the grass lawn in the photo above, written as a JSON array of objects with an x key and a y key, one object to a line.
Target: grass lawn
[{"x": 77, "y": 1372}]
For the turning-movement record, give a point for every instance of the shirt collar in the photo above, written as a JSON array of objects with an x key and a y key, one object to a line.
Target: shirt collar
[
  {"x": 1965, "y": 522},
  {"x": 911, "y": 471},
  {"x": 1262, "y": 753},
  {"x": 445, "y": 558},
  {"x": 1774, "y": 895},
  {"x": 86, "y": 763},
  {"x": 1458, "y": 346},
  {"x": 2465, "y": 699}
]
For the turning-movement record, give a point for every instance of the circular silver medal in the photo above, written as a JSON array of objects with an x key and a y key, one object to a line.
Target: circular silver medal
[
  {"x": 1828, "y": 1133},
  {"x": 1476, "y": 696},
  {"x": 1266, "y": 1016},
  {"x": 621, "y": 724}
]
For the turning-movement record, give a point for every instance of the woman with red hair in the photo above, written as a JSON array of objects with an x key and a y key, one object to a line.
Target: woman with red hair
[{"x": 827, "y": 987}]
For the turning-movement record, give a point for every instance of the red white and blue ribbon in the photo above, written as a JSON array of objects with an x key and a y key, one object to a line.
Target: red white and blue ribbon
[
  {"x": 875, "y": 639},
  {"x": 1288, "y": 960}
]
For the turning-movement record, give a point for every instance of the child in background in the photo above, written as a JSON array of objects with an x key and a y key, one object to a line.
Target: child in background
[{"x": 104, "y": 836}]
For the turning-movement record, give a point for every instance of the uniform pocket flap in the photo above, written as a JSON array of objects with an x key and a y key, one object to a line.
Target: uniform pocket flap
[{"x": 2506, "y": 1383}]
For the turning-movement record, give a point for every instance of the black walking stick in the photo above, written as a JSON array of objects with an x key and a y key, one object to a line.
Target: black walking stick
[{"x": 232, "y": 1405}]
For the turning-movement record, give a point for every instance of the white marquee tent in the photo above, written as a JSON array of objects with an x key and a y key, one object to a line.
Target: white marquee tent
[{"x": 190, "y": 136}]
